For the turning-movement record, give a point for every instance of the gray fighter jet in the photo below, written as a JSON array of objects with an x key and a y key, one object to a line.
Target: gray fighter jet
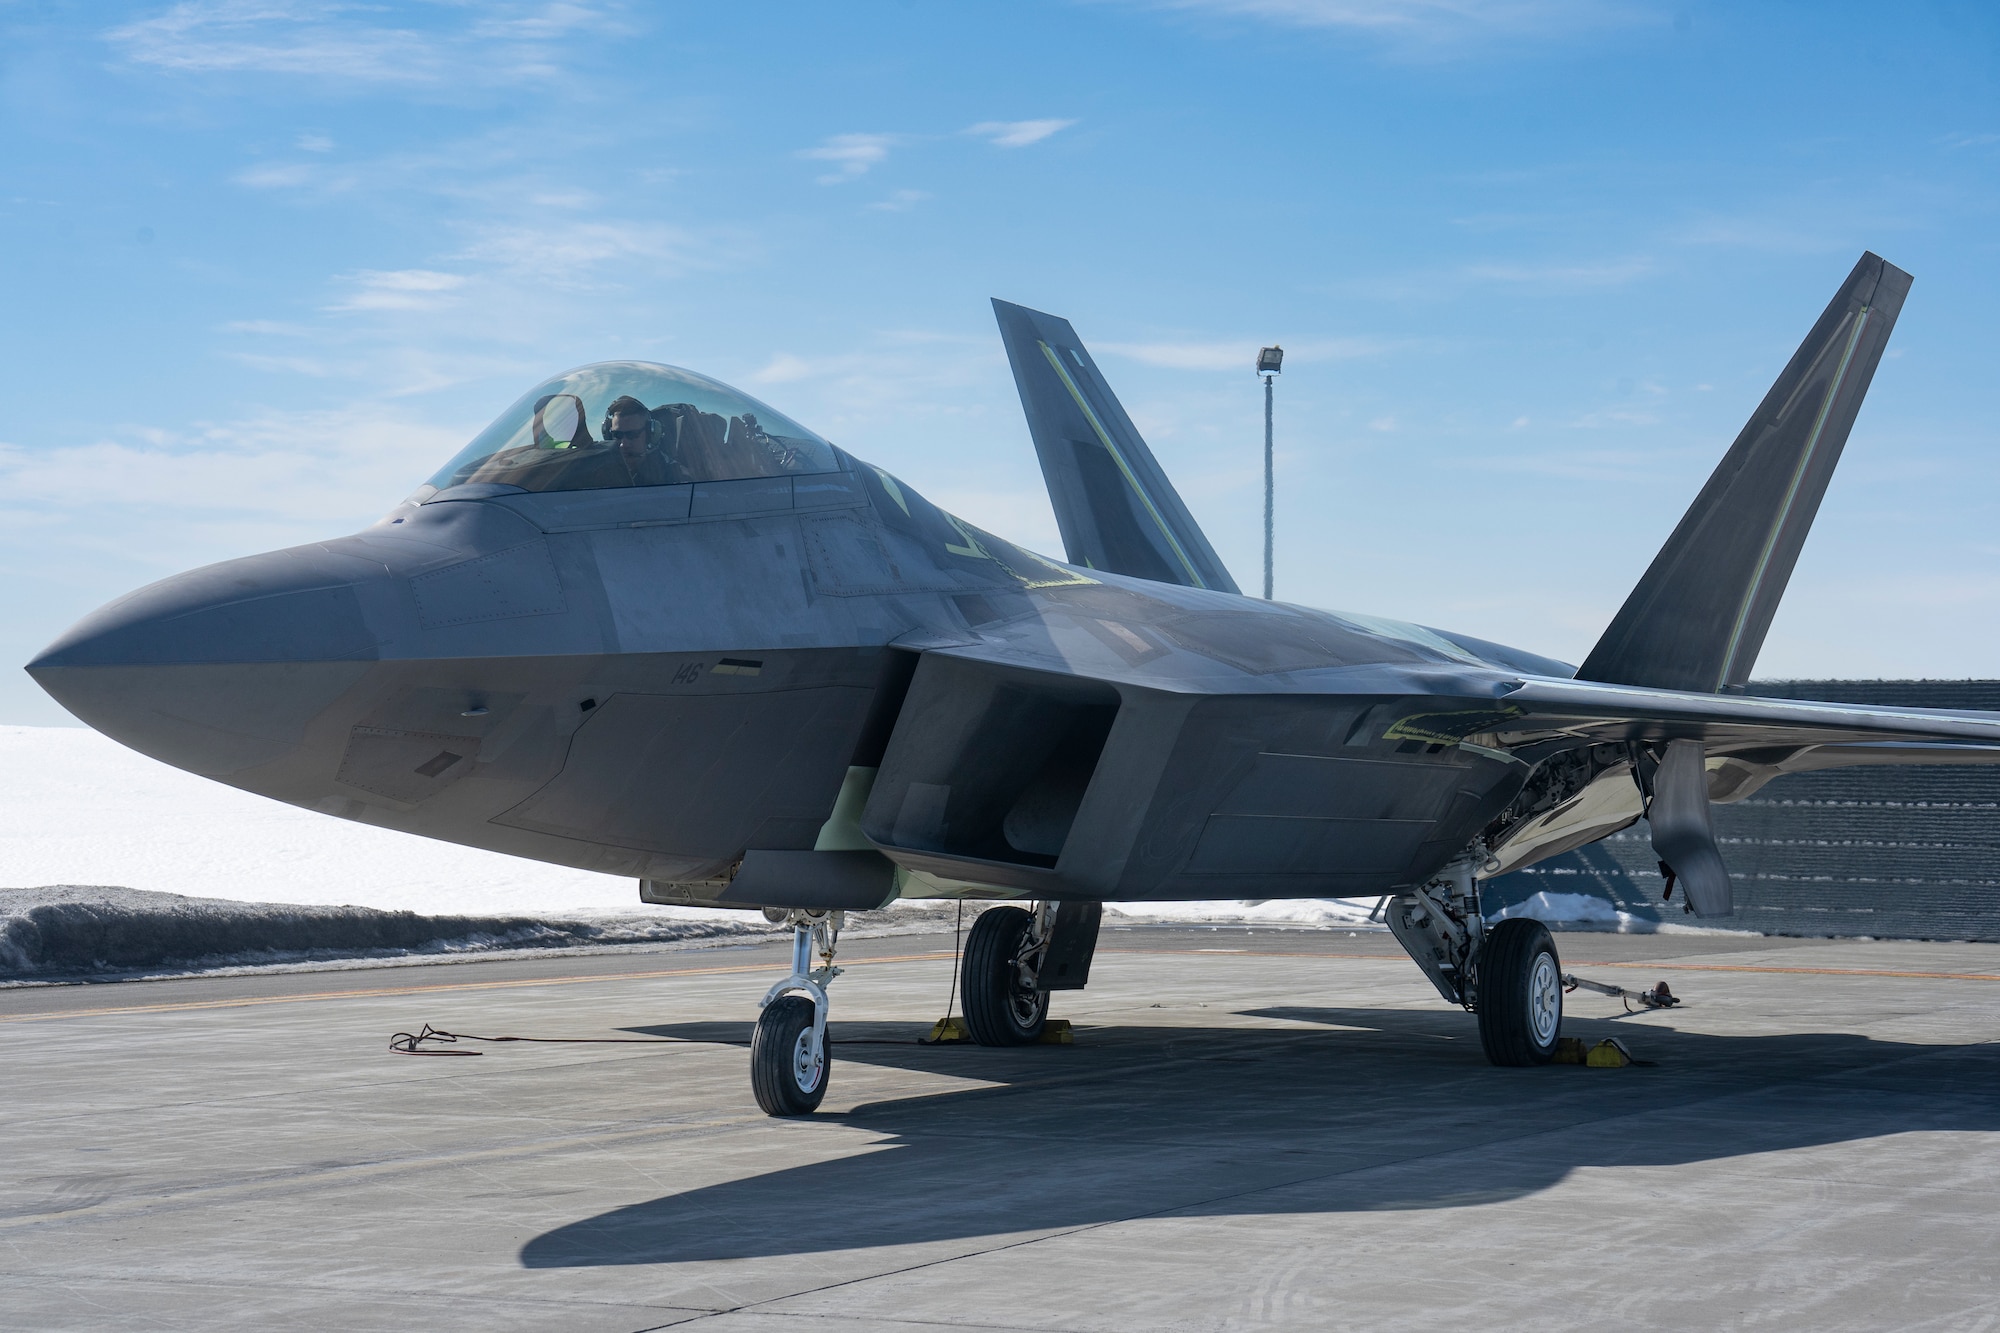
[{"x": 646, "y": 625}]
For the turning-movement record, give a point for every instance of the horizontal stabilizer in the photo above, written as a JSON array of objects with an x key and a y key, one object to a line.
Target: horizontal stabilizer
[
  {"x": 1698, "y": 618},
  {"x": 1115, "y": 507}
]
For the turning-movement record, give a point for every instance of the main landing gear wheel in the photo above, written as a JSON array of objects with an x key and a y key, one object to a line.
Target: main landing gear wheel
[
  {"x": 788, "y": 1068},
  {"x": 1002, "y": 1007},
  {"x": 1520, "y": 994}
]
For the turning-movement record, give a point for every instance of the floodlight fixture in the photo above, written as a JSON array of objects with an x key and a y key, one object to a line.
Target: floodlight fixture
[{"x": 1269, "y": 361}]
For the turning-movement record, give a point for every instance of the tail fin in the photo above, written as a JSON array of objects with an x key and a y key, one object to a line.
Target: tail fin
[
  {"x": 1116, "y": 508},
  {"x": 1698, "y": 618}
]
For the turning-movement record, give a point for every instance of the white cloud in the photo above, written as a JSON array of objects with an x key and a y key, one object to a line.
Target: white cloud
[
  {"x": 278, "y": 176},
  {"x": 566, "y": 252},
  {"x": 399, "y": 289},
  {"x": 277, "y": 38},
  {"x": 1428, "y": 21},
  {"x": 314, "y": 143},
  {"x": 1017, "y": 133},
  {"x": 851, "y": 154},
  {"x": 283, "y": 467},
  {"x": 332, "y": 41},
  {"x": 902, "y": 201},
  {"x": 1239, "y": 354},
  {"x": 268, "y": 328}
]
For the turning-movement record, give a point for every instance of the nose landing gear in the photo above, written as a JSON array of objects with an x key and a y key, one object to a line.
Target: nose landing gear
[{"x": 790, "y": 1055}]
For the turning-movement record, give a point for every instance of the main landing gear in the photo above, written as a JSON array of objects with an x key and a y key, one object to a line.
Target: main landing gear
[
  {"x": 1014, "y": 958},
  {"x": 1520, "y": 994},
  {"x": 790, "y": 1055},
  {"x": 1003, "y": 1005},
  {"x": 1509, "y": 975}
]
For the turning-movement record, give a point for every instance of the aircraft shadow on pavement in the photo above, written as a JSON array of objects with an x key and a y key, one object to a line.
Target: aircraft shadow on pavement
[{"x": 1335, "y": 1110}]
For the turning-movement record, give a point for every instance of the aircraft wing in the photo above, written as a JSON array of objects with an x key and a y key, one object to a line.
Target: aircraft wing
[
  {"x": 1748, "y": 741},
  {"x": 1546, "y": 709}
]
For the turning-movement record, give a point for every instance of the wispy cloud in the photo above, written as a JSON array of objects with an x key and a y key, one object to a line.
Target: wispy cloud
[
  {"x": 1428, "y": 20},
  {"x": 852, "y": 155},
  {"x": 399, "y": 289},
  {"x": 566, "y": 250},
  {"x": 902, "y": 201},
  {"x": 1017, "y": 133},
  {"x": 1240, "y": 354},
  {"x": 295, "y": 466},
  {"x": 334, "y": 41},
  {"x": 311, "y": 177}
]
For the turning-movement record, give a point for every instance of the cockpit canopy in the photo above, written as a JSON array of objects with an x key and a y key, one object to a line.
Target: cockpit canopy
[{"x": 653, "y": 425}]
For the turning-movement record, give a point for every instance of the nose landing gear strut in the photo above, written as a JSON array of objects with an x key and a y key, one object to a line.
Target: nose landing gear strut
[{"x": 790, "y": 1056}]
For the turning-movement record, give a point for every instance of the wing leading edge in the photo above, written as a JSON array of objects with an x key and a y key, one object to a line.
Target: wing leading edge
[{"x": 1114, "y": 505}]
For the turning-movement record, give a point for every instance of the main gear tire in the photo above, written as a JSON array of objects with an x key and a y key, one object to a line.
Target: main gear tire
[
  {"x": 999, "y": 1009},
  {"x": 1520, "y": 994},
  {"x": 787, "y": 1074}
]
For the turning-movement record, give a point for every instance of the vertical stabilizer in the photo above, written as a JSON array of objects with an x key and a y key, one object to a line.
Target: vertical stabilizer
[
  {"x": 1698, "y": 618},
  {"x": 1115, "y": 507}
]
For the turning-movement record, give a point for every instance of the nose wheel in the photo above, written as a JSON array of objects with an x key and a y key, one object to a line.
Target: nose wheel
[
  {"x": 788, "y": 1060},
  {"x": 791, "y": 1053}
]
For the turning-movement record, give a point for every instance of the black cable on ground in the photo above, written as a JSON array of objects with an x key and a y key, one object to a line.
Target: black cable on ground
[{"x": 412, "y": 1043}]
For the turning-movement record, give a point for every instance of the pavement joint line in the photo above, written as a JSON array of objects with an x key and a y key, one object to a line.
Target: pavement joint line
[{"x": 69, "y": 1277}]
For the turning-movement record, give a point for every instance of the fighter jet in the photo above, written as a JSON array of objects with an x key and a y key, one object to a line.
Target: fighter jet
[{"x": 644, "y": 624}]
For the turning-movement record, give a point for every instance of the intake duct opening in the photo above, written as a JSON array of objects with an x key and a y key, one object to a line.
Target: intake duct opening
[{"x": 990, "y": 765}]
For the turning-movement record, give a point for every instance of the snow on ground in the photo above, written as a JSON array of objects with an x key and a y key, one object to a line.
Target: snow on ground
[
  {"x": 77, "y": 808},
  {"x": 1578, "y": 909},
  {"x": 1275, "y": 911}
]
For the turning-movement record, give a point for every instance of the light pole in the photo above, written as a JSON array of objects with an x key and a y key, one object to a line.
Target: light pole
[{"x": 1270, "y": 360}]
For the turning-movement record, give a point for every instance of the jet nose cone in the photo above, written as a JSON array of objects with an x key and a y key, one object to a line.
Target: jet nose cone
[
  {"x": 221, "y": 668},
  {"x": 280, "y": 607}
]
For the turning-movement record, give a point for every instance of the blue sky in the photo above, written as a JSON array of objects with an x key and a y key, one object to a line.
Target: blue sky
[{"x": 267, "y": 264}]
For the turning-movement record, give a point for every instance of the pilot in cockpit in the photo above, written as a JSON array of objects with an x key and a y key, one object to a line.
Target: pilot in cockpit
[{"x": 638, "y": 438}]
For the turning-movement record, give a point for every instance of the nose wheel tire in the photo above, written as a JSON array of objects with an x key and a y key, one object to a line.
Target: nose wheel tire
[
  {"x": 1000, "y": 1010},
  {"x": 1520, "y": 994},
  {"x": 786, "y": 1072}
]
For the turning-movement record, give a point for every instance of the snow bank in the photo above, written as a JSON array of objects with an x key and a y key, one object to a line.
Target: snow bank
[
  {"x": 1274, "y": 911},
  {"x": 1578, "y": 910},
  {"x": 71, "y": 930}
]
